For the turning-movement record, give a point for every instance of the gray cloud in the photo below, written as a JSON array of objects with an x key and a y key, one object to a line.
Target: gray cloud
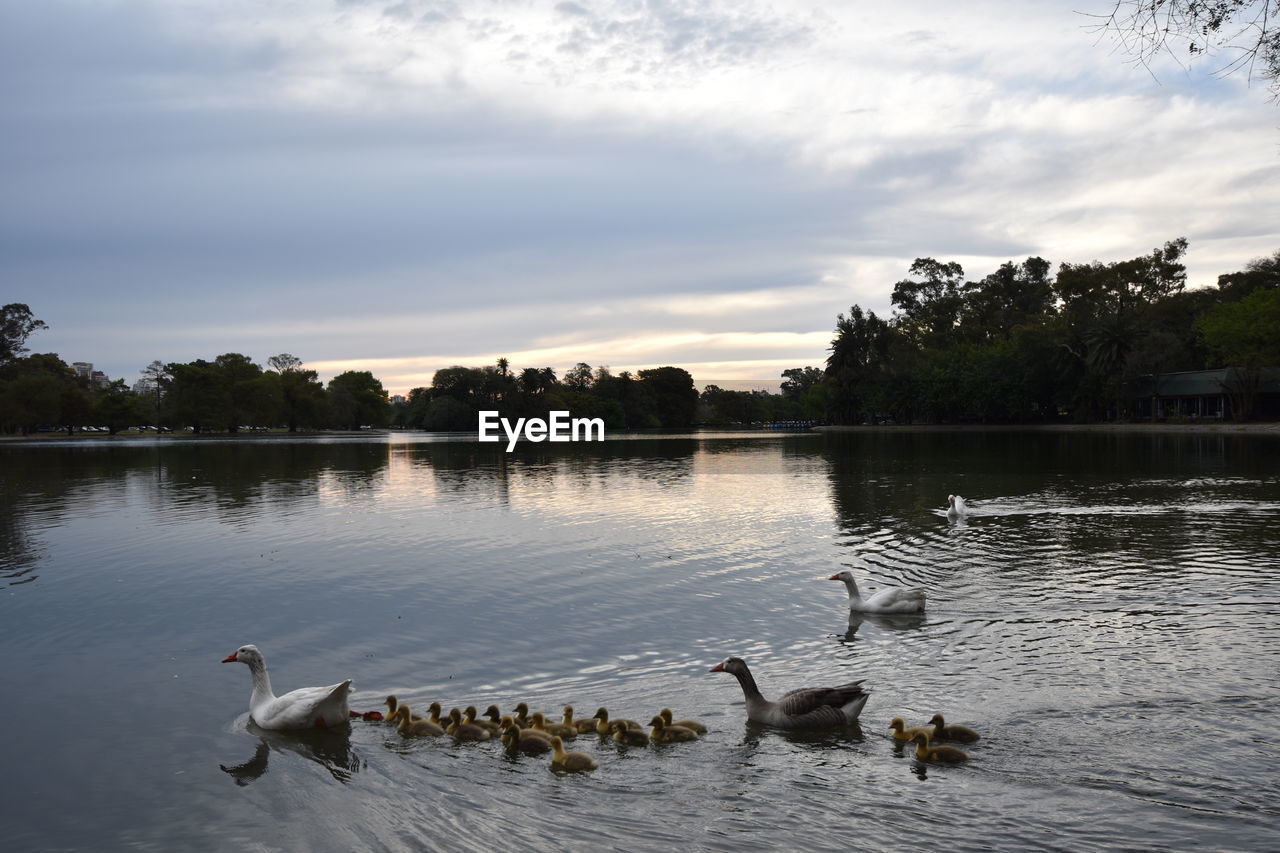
[
  {"x": 375, "y": 181},
  {"x": 654, "y": 39}
]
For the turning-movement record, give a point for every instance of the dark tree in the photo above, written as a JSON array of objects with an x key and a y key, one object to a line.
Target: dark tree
[
  {"x": 302, "y": 399},
  {"x": 357, "y": 399},
  {"x": 116, "y": 407},
  {"x": 16, "y": 325},
  {"x": 859, "y": 358},
  {"x": 674, "y": 396},
  {"x": 195, "y": 396},
  {"x": 1010, "y": 296},
  {"x": 929, "y": 309},
  {"x": 1245, "y": 335},
  {"x": 1258, "y": 273},
  {"x": 247, "y": 397},
  {"x": 285, "y": 362},
  {"x": 798, "y": 381},
  {"x": 41, "y": 390},
  {"x": 578, "y": 377}
]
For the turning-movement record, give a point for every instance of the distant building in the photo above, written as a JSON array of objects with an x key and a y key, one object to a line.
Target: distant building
[
  {"x": 397, "y": 399},
  {"x": 96, "y": 378},
  {"x": 1207, "y": 394},
  {"x": 145, "y": 387}
]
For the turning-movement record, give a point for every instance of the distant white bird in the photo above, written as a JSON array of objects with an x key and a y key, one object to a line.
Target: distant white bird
[
  {"x": 888, "y": 600},
  {"x": 956, "y": 507},
  {"x": 304, "y": 708}
]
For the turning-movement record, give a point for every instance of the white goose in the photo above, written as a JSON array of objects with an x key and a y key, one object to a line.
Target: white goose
[
  {"x": 304, "y": 708},
  {"x": 806, "y": 708},
  {"x": 888, "y": 600},
  {"x": 956, "y": 507}
]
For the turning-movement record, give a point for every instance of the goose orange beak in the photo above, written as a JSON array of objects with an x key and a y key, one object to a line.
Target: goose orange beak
[
  {"x": 717, "y": 668},
  {"x": 835, "y": 577},
  {"x": 231, "y": 658}
]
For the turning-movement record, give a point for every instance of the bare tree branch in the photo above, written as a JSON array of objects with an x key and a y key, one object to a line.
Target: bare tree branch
[{"x": 1242, "y": 32}]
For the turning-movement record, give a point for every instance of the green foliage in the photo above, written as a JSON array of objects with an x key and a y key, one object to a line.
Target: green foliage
[
  {"x": 301, "y": 397},
  {"x": 195, "y": 397},
  {"x": 1258, "y": 273},
  {"x": 660, "y": 397},
  {"x": 1011, "y": 296},
  {"x": 579, "y": 377},
  {"x": 16, "y": 325},
  {"x": 1245, "y": 334},
  {"x": 116, "y": 407},
  {"x": 40, "y": 390},
  {"x": 357, "y": 399},
  {"x": 675, "y": 399},
  {"x": 929, "y": 310},
  {"x": 1019, "y": 345},
  {"x": 445, "y": 414},
  {"x": 798, "y": 381}
]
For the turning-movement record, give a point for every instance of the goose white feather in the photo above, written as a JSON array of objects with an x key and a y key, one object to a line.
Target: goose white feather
[
  {"x": 304, "y": 708},
  {"x": 805, "y": 708},
  {"x": 956, "y": 507},
  {"x": 888, "y": 600}
]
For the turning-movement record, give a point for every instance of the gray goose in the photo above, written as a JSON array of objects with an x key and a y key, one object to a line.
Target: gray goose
[{"x": 805, "y": 708}]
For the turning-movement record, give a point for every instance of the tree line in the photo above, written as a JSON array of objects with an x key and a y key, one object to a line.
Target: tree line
[
  {"x": 660, "y": 397},
  {"x": 1022, "y": 344},
  {"x": 1025, "y": 345},
  {"x": 231, "y": 391},
  {"x": 223, "y": 395}
]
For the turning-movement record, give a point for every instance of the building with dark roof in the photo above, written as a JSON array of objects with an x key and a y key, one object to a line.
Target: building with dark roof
[{"x": 1208, "y": 394}]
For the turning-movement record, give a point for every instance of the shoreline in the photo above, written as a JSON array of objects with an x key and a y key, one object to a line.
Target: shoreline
[
  {"x": 1245, "y": 428},
  {"x": 1132, "y": 428}
]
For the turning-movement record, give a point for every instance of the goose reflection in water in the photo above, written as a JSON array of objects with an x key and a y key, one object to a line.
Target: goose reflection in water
[
  {"x": 820, "y": 739},
  {"x": 330, "y": 749},
  {"x": 885, "y": 622}
]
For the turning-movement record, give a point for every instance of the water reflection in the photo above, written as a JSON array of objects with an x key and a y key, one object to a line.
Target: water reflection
[
  {"x": 1107, "y": 591},
  {"x": 46, "y": 485},
  {"x": 756, "y": 733},
  {"x": 330, "y": 748},
  {"x": 884, "y": 622}
]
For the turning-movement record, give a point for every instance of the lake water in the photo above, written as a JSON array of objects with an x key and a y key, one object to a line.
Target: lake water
[{"x": 1106, "y": 617}]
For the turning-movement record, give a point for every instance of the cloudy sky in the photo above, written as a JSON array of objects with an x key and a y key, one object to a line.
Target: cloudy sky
[{"x": 402, "y": 185}]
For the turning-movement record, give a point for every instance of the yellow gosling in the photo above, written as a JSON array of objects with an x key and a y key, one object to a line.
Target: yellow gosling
[
  {"x": 469, "y": 716},
  {"x": 433, "y": 714},
  {"x": 626, "y": 736},
  {"x": 539, "y": 723},
  {"x": 901, "y": 732},
  {"x": 937, "y": 754},
  {"x": 526, "y": 732},
  {"x": 583, "y": 726},
  {"x": 410, "y": 727},
  {"x": 692, "y": 725},
  {"x": 602, "y": 722},
  {"x": 463, "y": 730},
  {"x": 392, "y": 704},
  {"x": 530, "y": 744},
  {"x": 941, "y": 731},
  {"x": 571, "y": 761},
  {"x": 662, "y": 733}
]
